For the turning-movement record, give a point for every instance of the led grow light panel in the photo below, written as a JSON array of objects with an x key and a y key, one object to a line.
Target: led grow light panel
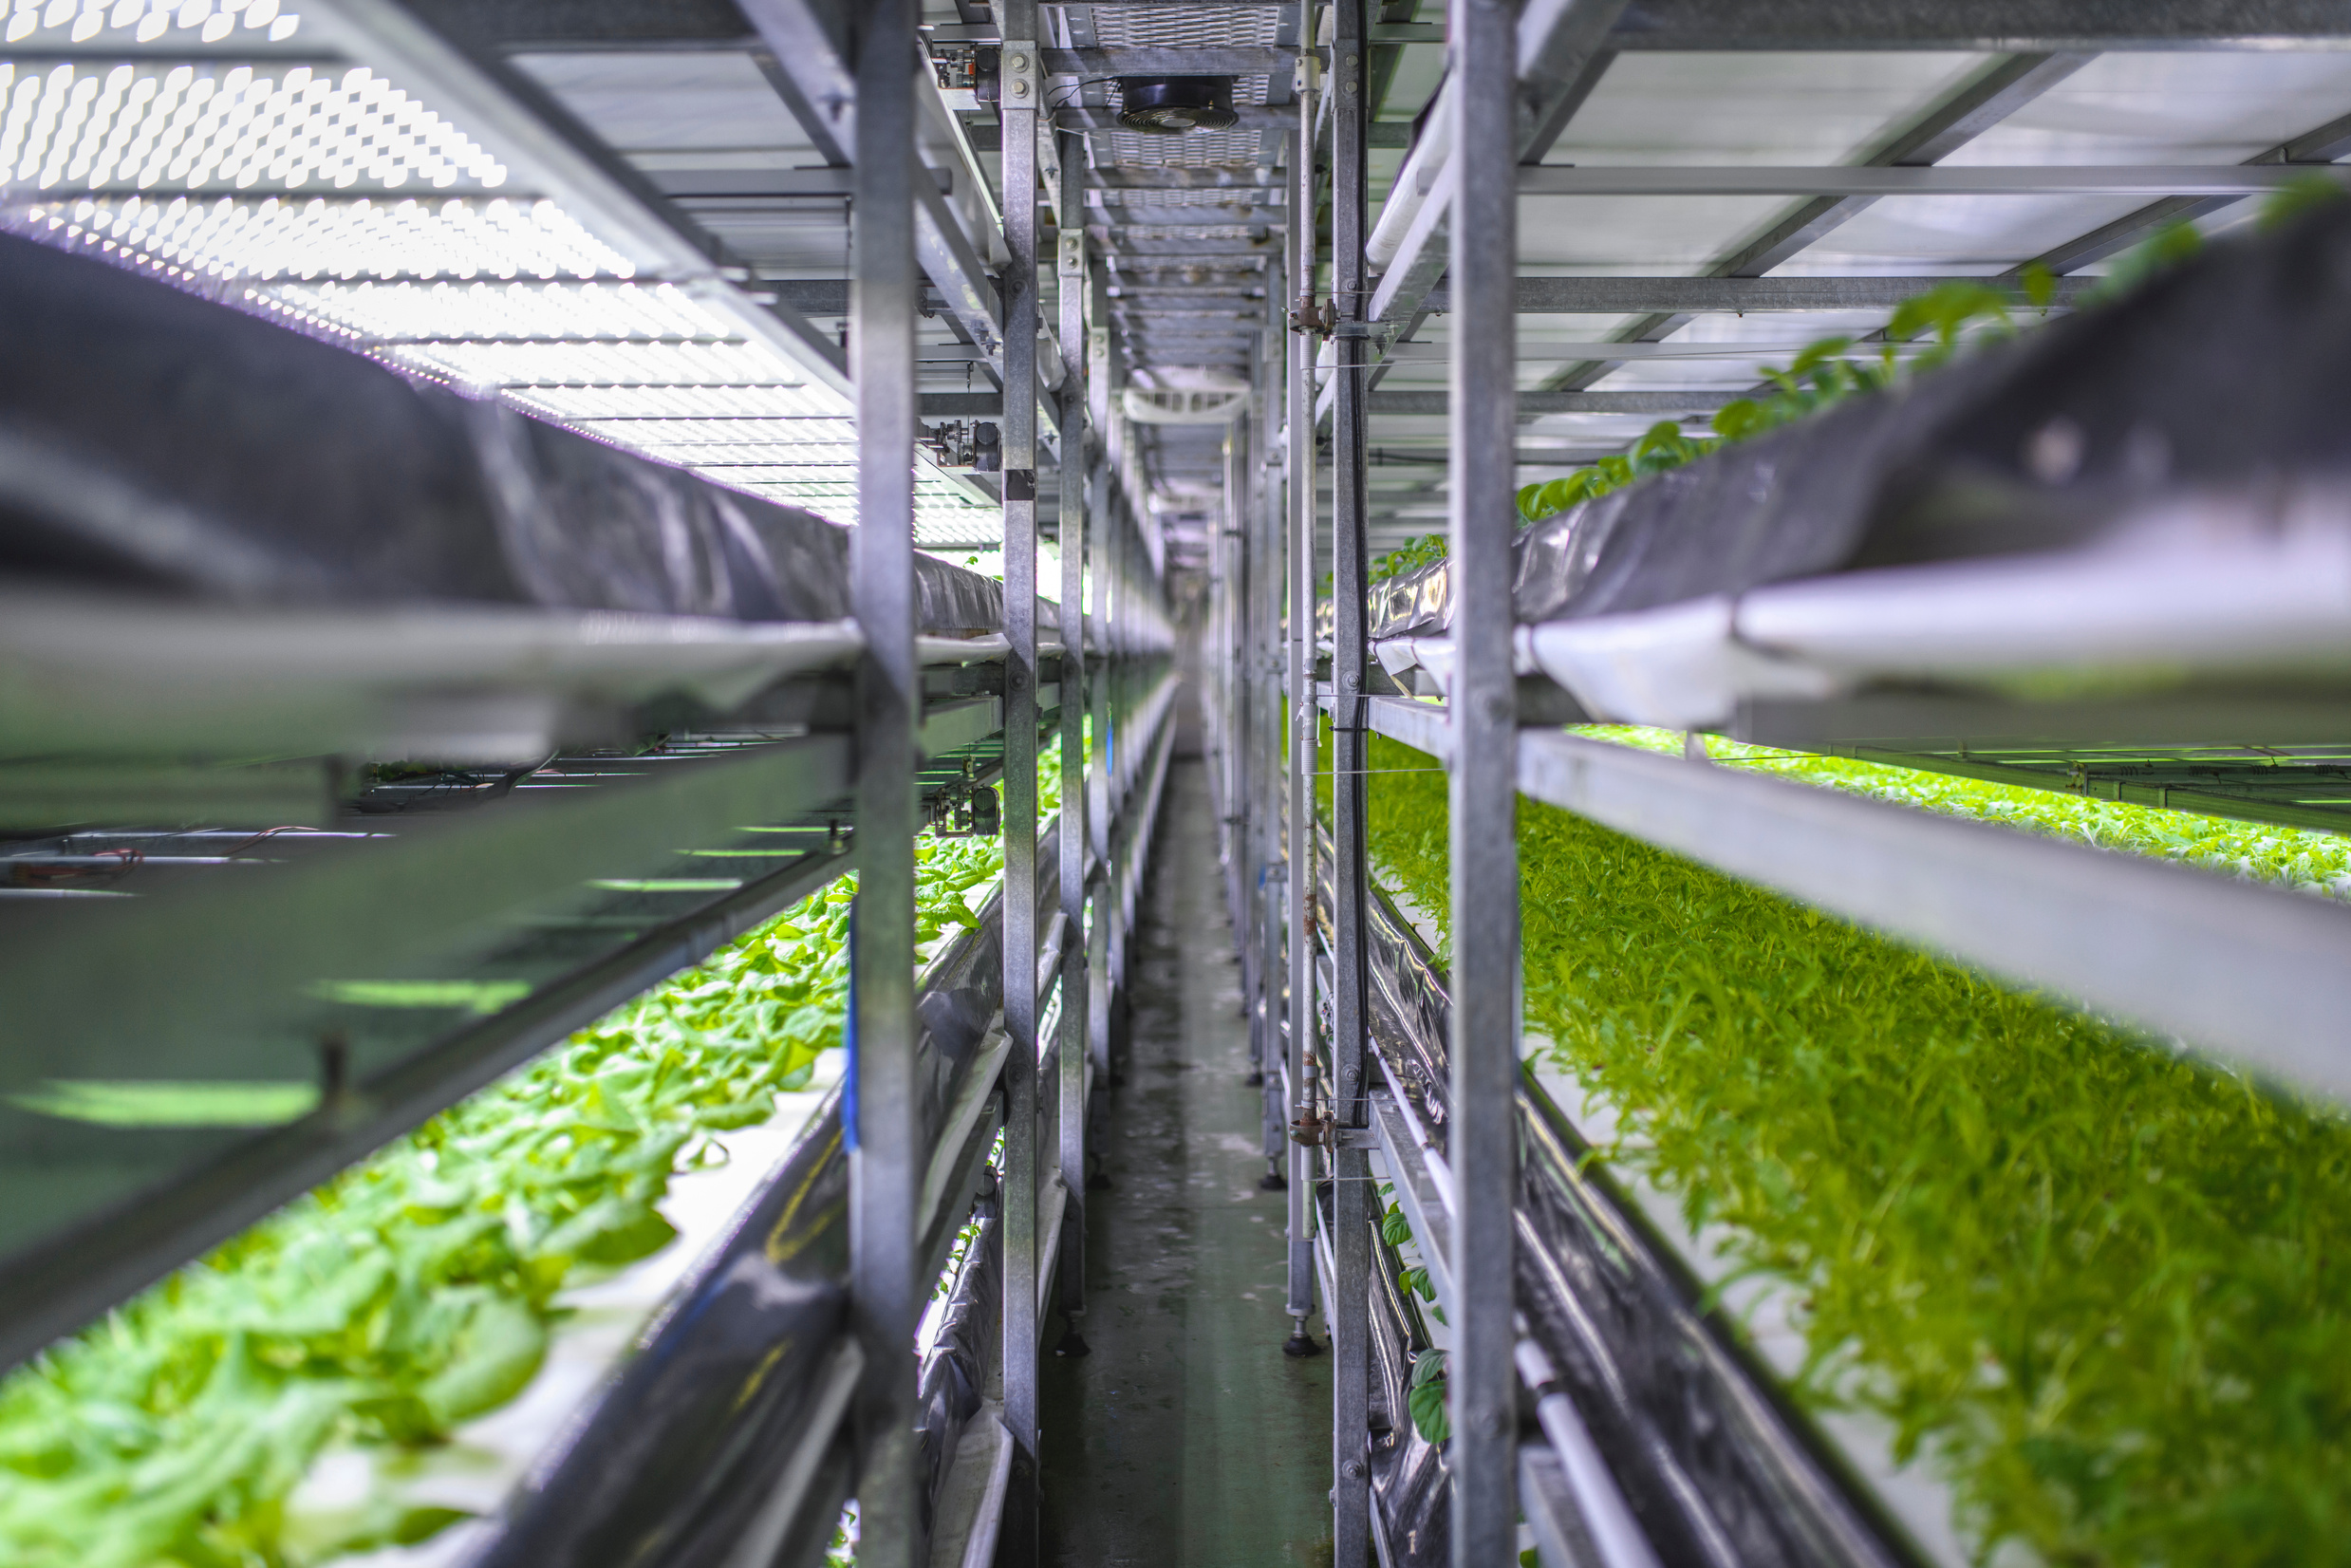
[
  {"x": 683, "y": 433},
  {"x": 153, "y": 124},
  {"x": 448, "y": 310},
  {"x": 588, "y": 405},
  {"x": 746, "y": 456},
  {"x": 49, "y": 23},
  {"x": 330, "y": 193},
  {"x": 186, "y": 237},
  {"x": 590, "y": 361},
  {"x": 827, "y": 475}
]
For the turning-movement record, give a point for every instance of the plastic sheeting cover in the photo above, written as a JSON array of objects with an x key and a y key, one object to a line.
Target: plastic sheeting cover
[
  {"x": 670, "y": 1462},
  {"x": 680, "y": 1450},
  {"x": 2224, "y": 374},
  {"x": 152, "y": 440}
]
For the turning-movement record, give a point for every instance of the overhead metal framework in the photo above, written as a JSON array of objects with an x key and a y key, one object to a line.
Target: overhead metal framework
[
  {"x": 683, "y": 329},
  {"x": 1707, "y": 191},
  {"x": 614, "y": 642}
]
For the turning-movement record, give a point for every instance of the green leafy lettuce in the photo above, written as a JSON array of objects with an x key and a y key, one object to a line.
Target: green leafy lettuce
[
  {"x": 2102, "y": 1288},
  {"x": 417, "y": 1290}
]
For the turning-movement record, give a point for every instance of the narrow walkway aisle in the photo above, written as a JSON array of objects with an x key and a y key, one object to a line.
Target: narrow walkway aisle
[{"x": 1186, "y": 1440}]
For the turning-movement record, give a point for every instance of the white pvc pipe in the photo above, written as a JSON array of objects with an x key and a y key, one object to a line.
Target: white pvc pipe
[
  {"x": 1413, "y": 183},
  {"x": 1616, "y": 1536}
]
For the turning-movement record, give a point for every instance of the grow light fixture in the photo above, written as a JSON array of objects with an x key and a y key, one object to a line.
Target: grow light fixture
[
  {"x": 344, "y": 192},
  {"x": 277, "y": 239},
  {"x": 147, "y": 21},
  {"x": 154, "y": 125}
]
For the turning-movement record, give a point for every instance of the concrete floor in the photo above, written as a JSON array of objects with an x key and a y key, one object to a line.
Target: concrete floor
[{"x": 1186, "y": 1440}]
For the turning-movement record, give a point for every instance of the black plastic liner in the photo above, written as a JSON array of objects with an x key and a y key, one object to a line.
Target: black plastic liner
[
  {"x": 2227, "y": 374},
  {"x": 1409, "y": 991},
  {"x": 1411, "y": 1012},
  {"x": 954, "y": 1374},
  {"x": 1409, "y": 1478},
  {"x": 684, "y": 1444},
  {"x": 1410, "y": 1485},
  {"x": 1718, "y": 1467},
  {"x": 670, "y": 1462},
  {"x": 153, "y": 440}
]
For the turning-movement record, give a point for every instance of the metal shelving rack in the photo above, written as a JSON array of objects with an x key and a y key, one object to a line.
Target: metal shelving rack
[
  {"x": 795, "y": 328},
  {"x": 706, "y": 771},
  {"x": 1369, "y": 1046}
]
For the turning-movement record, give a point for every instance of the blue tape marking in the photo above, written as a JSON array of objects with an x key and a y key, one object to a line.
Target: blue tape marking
[{"x": 849, "y": 1039}]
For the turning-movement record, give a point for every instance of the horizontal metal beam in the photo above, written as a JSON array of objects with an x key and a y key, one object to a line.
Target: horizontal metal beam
[
  {"x": 959, "y": 406},
  {"x": 1581, "y": 349},
  {"x": 1695, "y": 400},
  {"x": 1248, "y": 318},
  {"x": 804, "y": 62},
  {"x": 1146, "y": 270},
  {"x": 951, "y": 262},
  {"x": 1562, "y": 55},
  {"x": 1380, "y": 133},
  {"x": 821, "y": 296},
  {"x": 1213, "y": 177},
  {"x": 532, "y": 25},
  {"x": 783, "y": 184},
  {"x": 2260, "y": 976},
  {"x": 1192, "y": 248},
  {"x": 1192, "y": 310},
  {"x": 1233, "y": 337},
  {"x": 1687, "y": 296},
  {"x": 1435, "y": 452},
  {"x": 1973, "y": 25},
  {"x": 1258, "y": 61},
  {"x": 1992, "y": 26},
  {"x": 1239, "y": 289},
  {"x": 2325, "y": 144},
  {"x": 275, "y": 911},
  {"x": 1246, "y": 117},
  {"x": 222, "y": 954},
  {"x": 1114, "y": 234},
  {"x": 1936, "y": 179},
  {"x": 1236, "y": 196}
]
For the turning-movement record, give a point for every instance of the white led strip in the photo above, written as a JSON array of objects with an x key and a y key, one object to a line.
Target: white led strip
[
  {"x": 277, "y": 237},
  {"x": 152, "y": 125},
  {"x": 336, "y": 200},
  {"x": 144, "y": 21},
  {"x": 644, "y": 404},
  {"x": 480, "y": 310}
]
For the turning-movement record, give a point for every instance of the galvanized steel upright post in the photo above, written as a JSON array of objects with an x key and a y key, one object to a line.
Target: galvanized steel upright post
[
  {"x": 1110, "y": 739},
  {"x": 1070, "y": 277},
  {"x": 1482, "y": 1141},
  {"x": 1101, "y": 504},
  {"x": 886, "y": 1171},
  {"x": 1270, "y": 765},
  {"x": 1299, "y": 776},
  {"x": 1243, "y": 814},
  {"x": 1236, "y": 813},
  {"x": 1022, "y": 86},
  {"x": 1102, "y": 524},
  {"x": 1352, "y": 1206}
]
